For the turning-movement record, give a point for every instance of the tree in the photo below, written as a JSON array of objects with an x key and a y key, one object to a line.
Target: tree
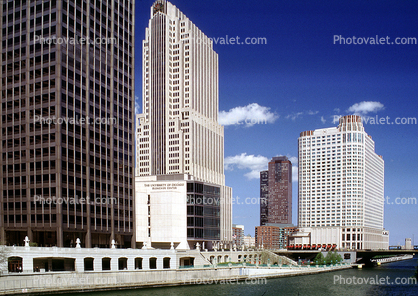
[
  {"x": 319, "y": 259},
  {"x": 339, "y": 258},
  {"x": 333, "y": 258}
]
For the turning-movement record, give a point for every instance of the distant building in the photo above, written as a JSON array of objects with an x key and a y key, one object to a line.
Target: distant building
[
  {"x": 408, "y": 244},
  {"x": 264, "y": 192},
  {"x": 249, "y": 241},
  {"x": 238, "y": 234},
  {"x": 276, "y": 192},
  {"x": 341, "y": 187},
  {"x": 273, "y": 235}
]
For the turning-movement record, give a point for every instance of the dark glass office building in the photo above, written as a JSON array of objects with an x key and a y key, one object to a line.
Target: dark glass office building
[
  {"x": 203, "y": 213},
  {"x": 67, "y": 109},
  {"x": 276, "y": 192}
]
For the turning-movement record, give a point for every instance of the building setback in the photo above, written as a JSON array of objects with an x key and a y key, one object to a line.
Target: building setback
[
  {"x": 64, "y": 178},
  {"x": 341, "y": 187},
  {"x": 179, "y": 139},
  {"x": 276, "y": 192}
]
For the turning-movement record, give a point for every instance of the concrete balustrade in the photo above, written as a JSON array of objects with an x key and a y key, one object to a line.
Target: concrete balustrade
[{"x": 38, "y": 259}]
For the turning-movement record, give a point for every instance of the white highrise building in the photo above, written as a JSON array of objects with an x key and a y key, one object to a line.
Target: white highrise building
[
  {"x": 341, "y": 187},
  {"x": 179, "y": 139}
]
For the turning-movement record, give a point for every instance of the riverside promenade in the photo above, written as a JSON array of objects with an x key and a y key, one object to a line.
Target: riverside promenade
[
  {"x": 110, "y": 280},
  {"x": 36, "y": 270}
]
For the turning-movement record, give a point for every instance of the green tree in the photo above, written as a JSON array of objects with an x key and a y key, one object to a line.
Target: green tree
[
  {"x": 333, "y": 258},
  {"x": 330, "y": 258},
  {"x": 319, "y": 259},
  {"x": 339, "y": 258}
]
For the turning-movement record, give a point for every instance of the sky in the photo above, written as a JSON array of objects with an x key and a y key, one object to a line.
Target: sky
[{"x": 302, "y": 75}]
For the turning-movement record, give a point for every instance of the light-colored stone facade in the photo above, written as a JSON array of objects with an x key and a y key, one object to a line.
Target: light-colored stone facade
[
  {"x": 341, "y": 187},
  {"x": 178, "y": 135}
]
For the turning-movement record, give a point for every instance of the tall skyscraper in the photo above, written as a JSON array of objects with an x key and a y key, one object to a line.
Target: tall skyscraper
[
  {"x": 276, "y": 192},
  {"x": 264, "y": 193},
  {"x": 179, "y": 137},
  {"x": 341, "y": 186},
  {"x": 67, "y": 106}
]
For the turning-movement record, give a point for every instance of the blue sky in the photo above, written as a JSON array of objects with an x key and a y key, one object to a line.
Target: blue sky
[{"x": 300, "y": 79}]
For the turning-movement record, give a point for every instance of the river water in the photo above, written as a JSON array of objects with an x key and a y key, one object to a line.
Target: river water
[{"x": 391, "y": 280}]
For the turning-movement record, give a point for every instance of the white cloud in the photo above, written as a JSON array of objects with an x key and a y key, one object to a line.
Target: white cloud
[
  {"x": 295, "y": 115},
  {"x": 255, "y": 174},
  {"x": 337, "y": 110},
  {"x": 295, "y": 170},
  {"x": 365, "y": 107},
  {"x": 137, "y": 106},
  {"x": 323, "y": 120},
  {"x": 248, "y": 115},
  {"x": 293, "y": 159},
  {"x": 336, "y": 118},
  {"x": 310, "y": 112},
  {"x": 247, "y": 162},
  {"x": 255, "y": 164}
]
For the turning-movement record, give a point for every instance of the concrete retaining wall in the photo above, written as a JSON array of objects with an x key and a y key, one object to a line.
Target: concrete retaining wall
[
  {"x": 79, "y": 281},
  {"x": 111, "y": 280}
]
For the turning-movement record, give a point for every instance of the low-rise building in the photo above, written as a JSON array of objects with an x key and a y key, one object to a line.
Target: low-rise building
[
  {"x": 238, "y": 234},
  {"x": 249, "y": 241},
  {"x": 273, "y": 235}
]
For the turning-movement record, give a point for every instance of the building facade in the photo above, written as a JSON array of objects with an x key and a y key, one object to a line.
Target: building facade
[
  {"x": 67, "y": 106},
  {"x": 238, "y": 235},
  {"x": 273, "y": 235},
  {"x": 178, "y": 134},
  {"x": 249, "y": 241},
  {"x": 341, "y": 183},
  {"x": 276, "y": 192},
  {"x": 264, "y": 193}
]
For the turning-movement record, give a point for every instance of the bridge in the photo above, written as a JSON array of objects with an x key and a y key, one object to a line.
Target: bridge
[{"x": 353, "y": 256}]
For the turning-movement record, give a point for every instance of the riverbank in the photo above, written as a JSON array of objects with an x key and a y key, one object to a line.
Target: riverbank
[
  {"x": 380, "y": 261},
  {"x": 61, "y": 282}
]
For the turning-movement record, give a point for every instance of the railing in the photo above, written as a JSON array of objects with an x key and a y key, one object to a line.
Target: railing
[{"x": 228, "y": 265}]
